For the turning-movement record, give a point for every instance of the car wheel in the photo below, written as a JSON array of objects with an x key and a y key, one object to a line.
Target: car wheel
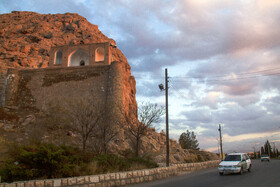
[
  {"x": 241, "y": 171},
  {"x": 249, "y": 169},
  {"x": 221, "y": 173}
]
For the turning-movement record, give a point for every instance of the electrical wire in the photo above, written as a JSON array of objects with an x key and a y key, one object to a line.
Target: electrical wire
[
  {"x": 239, "y": 76},
  {"x": 244, "y": 73},
  {"x": 217, "y": 78}
]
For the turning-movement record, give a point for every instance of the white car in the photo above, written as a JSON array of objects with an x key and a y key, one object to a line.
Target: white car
[
  {"x": 235, "y": 163},
  {"x": 265, "y": 158}
]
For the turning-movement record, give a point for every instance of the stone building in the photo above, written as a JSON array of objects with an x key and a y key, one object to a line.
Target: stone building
[
  {"x": 81, "y": 55},
  {"x": 74, "y": 71}
]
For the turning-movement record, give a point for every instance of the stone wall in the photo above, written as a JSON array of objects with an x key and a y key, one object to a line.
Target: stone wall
[
  {"x": 31, "y": 90},
  {"x": 90, "y": 49},
  {"x": 117, "y": 179}
]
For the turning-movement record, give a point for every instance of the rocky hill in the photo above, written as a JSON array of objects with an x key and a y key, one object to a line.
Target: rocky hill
[
  {"x": 26, "y": 37},
  {"x": 25, "y": 42}
]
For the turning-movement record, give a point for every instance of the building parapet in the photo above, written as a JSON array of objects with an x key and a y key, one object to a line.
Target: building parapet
[{"x": 81, "y": 55}]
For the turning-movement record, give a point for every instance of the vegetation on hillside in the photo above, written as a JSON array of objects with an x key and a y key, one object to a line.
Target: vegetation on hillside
[
  {"x": 138, "y": 124},
  {"x": 188, "y": 140},
  {"x": 42, "y": 160}
]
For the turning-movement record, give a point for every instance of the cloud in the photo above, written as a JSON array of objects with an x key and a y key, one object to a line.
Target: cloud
[
  {"x": 202, "y": 116},
  {"x": 248, "y": 136},
  {"x": 222, "y": 58},
  {"x": 46, "y": 7}
]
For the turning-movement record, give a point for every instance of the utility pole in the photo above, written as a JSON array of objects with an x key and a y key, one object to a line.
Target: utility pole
[
  {"x": 166, "y": 108},
  {"x": 161, "y": 87},
  {"x": 221, "y": 145}
]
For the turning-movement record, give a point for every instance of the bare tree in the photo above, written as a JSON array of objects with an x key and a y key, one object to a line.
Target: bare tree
[
  {"x": 106, "y": 132},
  {"x": 80, "y": 114},
  {"x": 85, "y": 114},
  {"x": 138, "y": 124}
]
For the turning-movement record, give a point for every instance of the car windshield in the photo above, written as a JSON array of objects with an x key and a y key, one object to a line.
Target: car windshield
[
  {"x": 264, "y": 156},
  {"x": 233, "y": 158}
]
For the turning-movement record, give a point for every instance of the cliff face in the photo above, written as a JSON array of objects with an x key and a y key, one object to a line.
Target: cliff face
[
  {"x": 26, "y": 37},
  {"x": 25, "y": 41}
]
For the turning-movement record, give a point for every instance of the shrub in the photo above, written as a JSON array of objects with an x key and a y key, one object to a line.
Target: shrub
[
  {"x": 191, "y": 158},
  {"x": 113, "y": 163},
  {"x": 145, "y": 162},
  {"x": 110, "y": 163},
  {"x": 7, "y": 116},
  {"x": 200, "y": 158},
  {"x": 41, "y": 160},
  {"x": 29, "y": 162}
]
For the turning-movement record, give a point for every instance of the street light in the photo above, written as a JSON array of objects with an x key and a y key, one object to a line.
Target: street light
[{"x": 161, "y": 87}]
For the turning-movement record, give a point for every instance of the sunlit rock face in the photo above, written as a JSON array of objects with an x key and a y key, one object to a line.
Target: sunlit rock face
[
  {"x": 27, "y": 37},
  {"x": 26, "y": 43}
]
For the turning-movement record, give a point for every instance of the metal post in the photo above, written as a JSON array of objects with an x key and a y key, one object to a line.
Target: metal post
[
  {"x": 220, "y": 130},
  {"x": 166, "y": 108}
]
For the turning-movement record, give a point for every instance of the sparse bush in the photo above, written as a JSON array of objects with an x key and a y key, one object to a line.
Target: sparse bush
[
  {"x": 41, "y": 161},
  {"x": 113, "y": 163},
  {"x": 110, "y": 163},
  {"x": 142, "y": 162},
  {"x": 200, "y": 158},
  {"x": 7, "y": 116},
  {"x": 29, "y": 162},
  {"x": 191, "y": 158},
  {"x": 126, "y": 153}
]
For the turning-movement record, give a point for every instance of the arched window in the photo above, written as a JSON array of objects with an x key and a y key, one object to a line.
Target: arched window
[
  {"x": 99, "y": 54},
  {"x": 58, "y": 57},
  {"x": 79, "y": 58}
]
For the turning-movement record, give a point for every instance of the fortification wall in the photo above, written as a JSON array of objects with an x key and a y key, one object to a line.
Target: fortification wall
[{"x": 31, "y": 90}]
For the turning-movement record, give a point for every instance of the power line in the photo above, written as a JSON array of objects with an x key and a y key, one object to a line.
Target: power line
[
  {"x": 219, "y": 78},
  {"x": 208, "y": 79},
  {"x": 237, "y": 74}
]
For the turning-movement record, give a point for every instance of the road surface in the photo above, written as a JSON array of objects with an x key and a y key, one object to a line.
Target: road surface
[{"x": 263, "y": 174}]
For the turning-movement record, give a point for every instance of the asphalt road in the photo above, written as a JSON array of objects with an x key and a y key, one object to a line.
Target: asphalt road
[{"x": 263, "y": 174}]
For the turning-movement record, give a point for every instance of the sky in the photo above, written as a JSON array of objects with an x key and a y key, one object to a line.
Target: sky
[{"x": 222, "y": 57}]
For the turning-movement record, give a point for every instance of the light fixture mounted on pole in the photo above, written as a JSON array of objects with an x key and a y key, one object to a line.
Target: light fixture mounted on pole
[{"x": 161, "y": 87}]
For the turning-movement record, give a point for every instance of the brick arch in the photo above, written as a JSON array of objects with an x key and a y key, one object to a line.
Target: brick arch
[
  {"x": 79, "y": 57},
  {"x": 58, "y": 57},
  {"x": 99, "y": 54}
]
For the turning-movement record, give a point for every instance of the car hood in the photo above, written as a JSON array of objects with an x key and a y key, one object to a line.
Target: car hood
[{"x": 229, "y": 163}]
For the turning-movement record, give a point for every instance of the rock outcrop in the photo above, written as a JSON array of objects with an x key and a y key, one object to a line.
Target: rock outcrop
[
  {"x": 25, "y": 41},
  {"x": 26, "y": 37}
]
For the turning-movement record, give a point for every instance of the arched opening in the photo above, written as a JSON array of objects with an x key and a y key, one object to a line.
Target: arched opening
[
  {"x": 99, "y": 54},
  {"x": 58, "y": 57},
  {"x": 82, "y": 63},
  {"x": 79, "y": 58}
]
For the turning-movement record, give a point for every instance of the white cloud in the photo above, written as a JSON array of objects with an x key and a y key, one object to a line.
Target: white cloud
[{"x": 218, "y": 41}]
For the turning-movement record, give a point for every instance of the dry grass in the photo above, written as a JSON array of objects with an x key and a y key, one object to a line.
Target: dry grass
[{"x": 4, "y": 115}]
